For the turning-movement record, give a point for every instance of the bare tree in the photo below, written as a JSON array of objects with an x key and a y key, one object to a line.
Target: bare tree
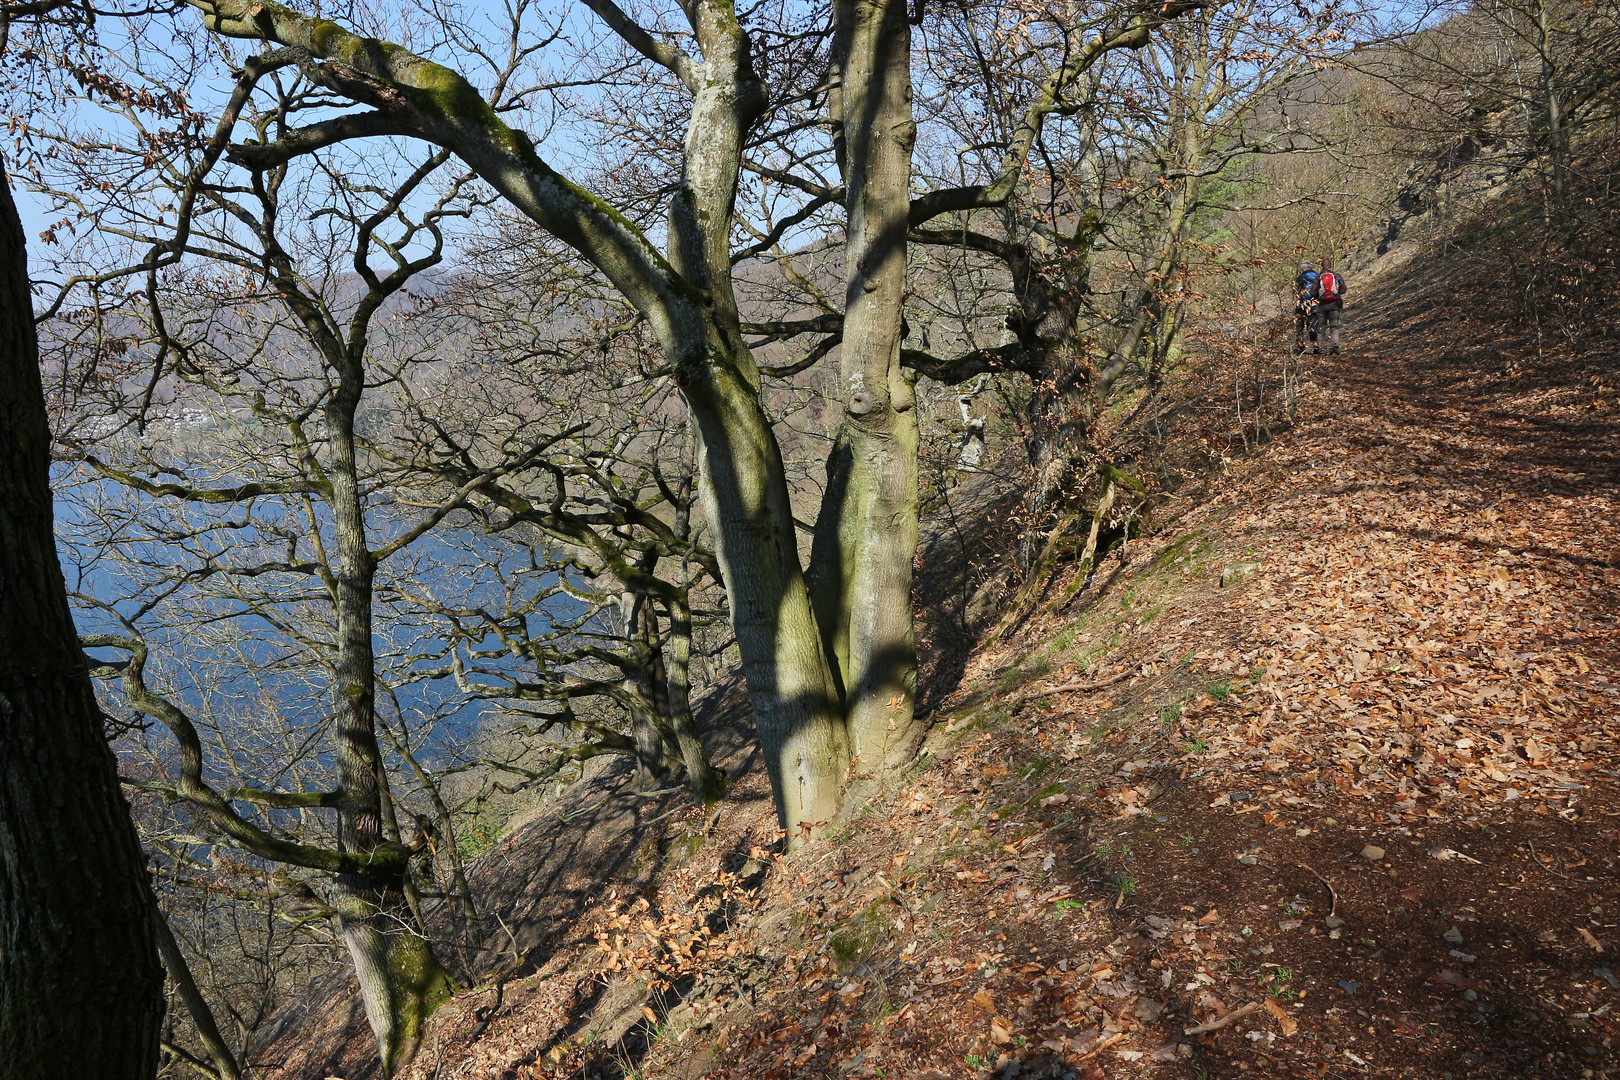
[
  {"x": 293, "y": 550},
  {"x": 831, "y": 681},
  {"x": 1088, "y": 255}
]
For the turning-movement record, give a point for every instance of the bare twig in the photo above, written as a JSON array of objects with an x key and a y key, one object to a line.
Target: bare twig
[
  {"x": 1075, "y": 686},
  {"x": 1545, "y": 866},
  {"x": 1333, "y": 896},
  {"x": 489, "y": 1012},
  {"x": 1216, "y": 1025}
]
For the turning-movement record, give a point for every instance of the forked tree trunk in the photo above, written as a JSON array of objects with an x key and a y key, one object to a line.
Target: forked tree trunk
[
  {"x": 801, "y": 730},
  {"x": 81, "y": 986},
  {"x": 803, "y": 735}
]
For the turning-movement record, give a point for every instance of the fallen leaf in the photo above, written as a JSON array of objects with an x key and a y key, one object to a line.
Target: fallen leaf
[
  {"x": 1000, "y": 1030},
  {"x": 1287, "y": 1023},
  {"x": 1450, "y": 854},
  {"x": 984, "y": 1001}
]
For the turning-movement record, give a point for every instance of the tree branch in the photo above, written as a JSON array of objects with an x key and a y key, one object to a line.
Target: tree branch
[
  {"x": 306, "y": 140},
  {"x": 769, "y": 240},
  {"x": 825, "y": 346},
  {"x": 831, "y": 323},
  {"x": 244, "y": 493},
  {"x": 215, "y": 806},
  {"x": 959, "y": 369},
  {"x": 1134, "y": 34},
  {"x": 644, "y": 43}
]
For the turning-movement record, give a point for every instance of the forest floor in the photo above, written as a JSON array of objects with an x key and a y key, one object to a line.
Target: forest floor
[{"x": 1319, "y": 779}]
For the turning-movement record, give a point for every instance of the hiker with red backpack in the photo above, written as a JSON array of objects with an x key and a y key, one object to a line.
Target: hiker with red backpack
[
  {"x": 1304, "y": 305},
  {"x": 1328, "y": 292}
]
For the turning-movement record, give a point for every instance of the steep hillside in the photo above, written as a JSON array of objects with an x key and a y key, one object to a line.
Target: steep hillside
[{"x": 1316, "y": 779}]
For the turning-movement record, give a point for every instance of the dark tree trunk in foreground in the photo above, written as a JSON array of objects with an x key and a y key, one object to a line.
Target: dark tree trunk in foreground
[{"x": 81, "y": 988}]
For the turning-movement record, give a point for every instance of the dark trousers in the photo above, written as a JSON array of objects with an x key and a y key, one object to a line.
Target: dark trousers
[{"x": 1327, "y": 324}]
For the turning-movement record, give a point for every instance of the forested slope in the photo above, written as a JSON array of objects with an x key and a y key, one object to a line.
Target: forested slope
[
  {"x": 799, "y": 540},
  {"x": 1316, "y": 778}
]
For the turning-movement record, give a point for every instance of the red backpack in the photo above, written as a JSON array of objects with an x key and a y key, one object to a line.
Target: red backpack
[{"x": 1328, "y": 286}]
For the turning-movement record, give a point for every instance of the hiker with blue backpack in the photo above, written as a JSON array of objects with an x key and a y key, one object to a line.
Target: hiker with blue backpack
[
  {"x": 1304, "y": 306},
  {"x": 1328, "y": 292}
]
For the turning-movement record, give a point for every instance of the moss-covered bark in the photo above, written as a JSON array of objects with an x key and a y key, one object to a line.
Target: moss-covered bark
[{"x": 401, "y": 979}]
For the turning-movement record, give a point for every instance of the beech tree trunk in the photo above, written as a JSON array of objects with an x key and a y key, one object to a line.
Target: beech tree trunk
[
  {"x": 81, "y": 986},
  {"x": 790, "y": 683},
  {"x": 866, "y": 532},
  {"x": 801, "y": 729}
]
